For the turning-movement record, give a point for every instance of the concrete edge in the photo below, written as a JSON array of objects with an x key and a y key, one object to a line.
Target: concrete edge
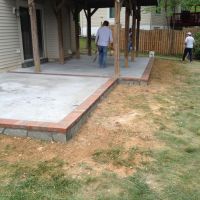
[
  {"x": 56, "y": 74},
  {"x": 146, "y": 75},
  {"x": 139, "y": 81},
  {"x": 66, "y": 128}
]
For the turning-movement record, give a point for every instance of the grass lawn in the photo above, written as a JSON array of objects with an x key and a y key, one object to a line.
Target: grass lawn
[
  {"x": 83, "y": 45},
  {"x": 141, "y": 143}
]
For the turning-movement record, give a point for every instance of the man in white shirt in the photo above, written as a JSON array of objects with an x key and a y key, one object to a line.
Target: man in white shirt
[
  {"x": 189, "y": 44},
  {"x": 103, "y": 39}
]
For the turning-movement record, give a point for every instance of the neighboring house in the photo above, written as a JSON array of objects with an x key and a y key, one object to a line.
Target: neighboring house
[
  {"x": 15, "y": 33},
  {"x": 150, "y": 19}
]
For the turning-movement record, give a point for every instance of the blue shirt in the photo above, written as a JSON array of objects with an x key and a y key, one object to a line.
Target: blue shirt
[{"x": 104, "y": 36}]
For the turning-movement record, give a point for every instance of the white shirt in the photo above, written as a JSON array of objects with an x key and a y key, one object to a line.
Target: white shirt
[
  {"x": 189, "y": 42},
  {"x": 104, "y": 36}
]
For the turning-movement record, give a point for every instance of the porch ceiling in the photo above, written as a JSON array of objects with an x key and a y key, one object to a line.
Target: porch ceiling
[{"x": 110, "y": 3}]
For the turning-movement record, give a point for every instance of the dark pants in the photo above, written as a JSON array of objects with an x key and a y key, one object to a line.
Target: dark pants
[
  {"x": 187, "y": 51},
  {"x": 102, "y": 55}
]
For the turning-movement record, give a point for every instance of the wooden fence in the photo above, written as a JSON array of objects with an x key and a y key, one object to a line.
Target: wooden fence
[{"x": 160, "y": 41}]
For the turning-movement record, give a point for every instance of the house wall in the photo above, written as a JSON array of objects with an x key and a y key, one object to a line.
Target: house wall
[
  {"x": 68, "y": 32},
  {"x": 148, "y": 20},
  {"x": 51, "y": 32},
  {"x": 100, "y": 15},
  {"x": 10, "y": 55},
  {"x": 11, "y": 47},
  {"x": 158, "y": 21}
]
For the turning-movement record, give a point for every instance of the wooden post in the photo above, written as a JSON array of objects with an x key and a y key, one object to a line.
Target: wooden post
[
  {"x": 126, "y": 36},
  {"x": 34, "y": 33},
  {"x": 138, "y": 31},
  {"x": 89, "y": 35},
  {"x": 88, "y": 16},
  {"x": 76, "y": 18},
  {"x": 117, "y": 38},
  {"x": 133, "y": 33},
  {"x": 60, "y": 37}
]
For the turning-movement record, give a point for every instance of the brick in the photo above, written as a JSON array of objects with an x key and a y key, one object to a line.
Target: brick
[
  {"x": 59, "y": 137},
  {"x": 15, "y": 132},
  {"x": 40, "y": 135}
]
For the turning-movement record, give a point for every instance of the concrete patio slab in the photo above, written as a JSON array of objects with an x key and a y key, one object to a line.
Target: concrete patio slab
[
  {"x": 43, "y": 98},
  {"x": 86, "y": 67},
  {"x": 53, "y": 105}
]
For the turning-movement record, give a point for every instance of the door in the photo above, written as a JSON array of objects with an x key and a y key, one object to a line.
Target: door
[{"x": 26, "y": 33}]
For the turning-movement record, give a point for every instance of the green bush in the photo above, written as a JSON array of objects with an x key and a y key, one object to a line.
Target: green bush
[{"x": 197, "y": 45}]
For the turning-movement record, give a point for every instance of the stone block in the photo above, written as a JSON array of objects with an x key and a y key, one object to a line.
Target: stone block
[
  {"x": 143, "y": 83},
  {"x": 59, "y": 137},
  {"x": 40, "y": 135},
  {"x": 15, "y": 132}
]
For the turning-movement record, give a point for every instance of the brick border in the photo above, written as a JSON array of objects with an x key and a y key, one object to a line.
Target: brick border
[
  {"x": 145, "y": 76},
  {"x": 63, "y": 130}
]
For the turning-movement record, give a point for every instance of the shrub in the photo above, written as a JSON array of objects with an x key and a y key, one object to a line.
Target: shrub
[{"x": 197, "y": 45}]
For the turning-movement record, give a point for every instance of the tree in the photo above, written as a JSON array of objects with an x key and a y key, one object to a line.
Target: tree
[
  {"x": 170, "y": 7},
  {"x": 187, "y": 5},
  {"x": 197, "y": 45}
]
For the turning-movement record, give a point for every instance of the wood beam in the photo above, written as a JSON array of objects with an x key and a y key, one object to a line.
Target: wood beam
[
  {"x": 89, "y": 35},
  {"x": 88, "y": 15},
  {"x": 130, "y": 3},
  {"x": 60, "y": 37},
  {"x": 133, "y": 33},
  {"x": 94, "y": 10},
  {"x": 117, "y": 38},
  {"x": 127, "y": 38},
  {"x": 138, "y": 30},
  {"x": 34, "y": 34},
  {"x": 57, "y": 7},
  {"x": 76, "y": 19},
  {"x": 60, "y": 5}
]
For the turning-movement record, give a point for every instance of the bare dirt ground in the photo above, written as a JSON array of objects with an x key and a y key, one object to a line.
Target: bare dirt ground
[{"x": 121, "y": 121}]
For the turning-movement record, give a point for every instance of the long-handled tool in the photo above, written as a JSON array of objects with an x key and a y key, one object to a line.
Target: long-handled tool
[{"x": 96, "y": 55}]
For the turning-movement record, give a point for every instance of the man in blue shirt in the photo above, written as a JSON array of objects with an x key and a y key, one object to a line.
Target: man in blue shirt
[{"x": 103, "y": 39}]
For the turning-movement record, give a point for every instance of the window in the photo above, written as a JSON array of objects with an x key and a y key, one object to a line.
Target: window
[{"x": 111, "y": 12}]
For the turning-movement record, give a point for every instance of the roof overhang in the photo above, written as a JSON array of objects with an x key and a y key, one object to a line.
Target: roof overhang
[{"x": 110, "y": 3}]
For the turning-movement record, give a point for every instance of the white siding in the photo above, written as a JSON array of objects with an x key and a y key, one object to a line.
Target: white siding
[
  {"x": 10, "y": 33},
  {"x": 68, "y": 31},
  {"x": 9, "y": 36},
  {"x": 101, "y": 15},
  {"x": 51, "y": 32}
]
